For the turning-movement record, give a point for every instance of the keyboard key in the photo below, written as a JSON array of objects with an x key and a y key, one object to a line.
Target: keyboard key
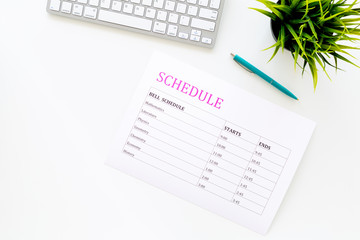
[
  {"x": 203, "y": 24},
  {"x": 94, "y": 3},
  {"x": 77, "y": 10},
  {"x": 90, "y": 12},
  {"x": 189, "y": 20},
  {"x": 172, "y": 30},
  {"x": 206, "y": 40},
  {"x": 208, "y": 14},
  {"x": 139, "y": 11},
  {"x": 196, "y": 32},
  {"x": 162, "y": 15},
  {"x": 150, "y": 13},
  {"x": 183, "y": 35},
  {"x": 116, "y": 5},
  {"x": 170, "y": 5},
  {"x": 173, "y": 18},
  {"x": 181, "y": 8},
  {"x": 125, "y": 20},
  {"x": 66, "y": 7},
  {"x": 215, "y": 4},
  {"x": 54, "y": 5},
  {"x": 158, "y": 3},
  {"x": 192, "y": 10},
  {"x": 105, "y": 3},
  {"x": 203, "y": 3},
  {"x": 184, "y": 20},
  {"x": 194, "y": 38},
  {"x": 159, "y": 27},
  {"x": 147, "y": 2},
  {"x": 128, "y": 8}
]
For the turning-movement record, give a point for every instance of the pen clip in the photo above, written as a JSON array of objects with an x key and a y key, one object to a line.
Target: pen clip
[{"x": 244, "y": 67}]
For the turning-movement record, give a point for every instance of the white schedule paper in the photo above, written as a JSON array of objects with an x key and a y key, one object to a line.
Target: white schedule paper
[{"x": 210, "y": 143}]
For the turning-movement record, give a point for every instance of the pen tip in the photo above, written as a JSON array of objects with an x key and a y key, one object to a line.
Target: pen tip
[{"x": 232, "y": 54}]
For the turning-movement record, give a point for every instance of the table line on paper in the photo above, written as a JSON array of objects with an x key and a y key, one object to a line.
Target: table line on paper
[
  {"x": 282, "y": 166},
  {"x": 235, "y": 194},
  {"x": 232, "y": 163},
  {"x": 151, "y": 101},
  {"x": 242, "y": 178},
  {"x": 268, "y": 169},
  {"x": 260, "y": 138},
  {"x": 164, "y": 112},
  {"x": 223, "y": 179},
  {"x": 248, "y": 164},
  {"x": 209, "y": 181},
  {"x": 153, "y": 106},
  {"x": 171, "y": 156},
  {"x": 258, "y": 185},
  {"x": 184, "y": 112},
  {"x": 277, "y": 179},
  {"x": 176, "y": 138},
  {"x": 192, "y": 106},
  {"x": 231, "y": 201},
  {"x": 240, "y": 146},
  {"x": 210, "y": 156},
  {"x": 132, "y": 128},
  {"x": 197, "y": 176},
  {"x": 178, "y": 148},
  {"x": 243, "y": 139},
  {"x": 229, "y": 171},
  {"x": 168, "y": 164},
  {"x": 190, "y": 118},
  {"x": 224, "y": 169},
  {"x": 262, "y": 177},
  {"x": 237, "y": 156},
  {"x": 248, "y": 186},
  {"x": 256, "y": 192},
  {"x": 279, "y": 145},
  {"x": 224, "y": 120},
  {"x": 165, "y": 171},
  {"x": 195, "y": 185},
  {"x": 184, "y": 132}
]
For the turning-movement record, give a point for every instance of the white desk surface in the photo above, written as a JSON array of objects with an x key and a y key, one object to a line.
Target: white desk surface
[{"x": 64, "y": 87}]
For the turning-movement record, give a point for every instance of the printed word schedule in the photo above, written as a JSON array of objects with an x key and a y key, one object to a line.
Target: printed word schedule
[{"x": 206, "y": 151}]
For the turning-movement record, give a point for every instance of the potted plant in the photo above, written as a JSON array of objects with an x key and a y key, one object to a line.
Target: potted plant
[{"x": 315, "y": 30}]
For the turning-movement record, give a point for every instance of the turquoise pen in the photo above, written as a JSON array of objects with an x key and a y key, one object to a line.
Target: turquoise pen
[{"x": 253, "y": 69}]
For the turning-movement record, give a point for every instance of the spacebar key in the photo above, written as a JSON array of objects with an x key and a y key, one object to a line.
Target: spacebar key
[{"x": 125, "y": 20}]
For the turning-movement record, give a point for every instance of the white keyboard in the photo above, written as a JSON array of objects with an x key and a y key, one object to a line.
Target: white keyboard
[{"x": 190, "y": 21}]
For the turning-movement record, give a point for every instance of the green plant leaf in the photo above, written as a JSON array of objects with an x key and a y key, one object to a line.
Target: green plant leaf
[
  {"x": 283, "y": 8},
  {"x": 282, "y": 37},
  {"x": 313, "y": 69},
  {"x": 296, "y": 55},
  {"x": 321, "y": 63},
  {"x": 343, "y": 58},
  {"x": 271, "y": 6},
  {"x": 316, "y": 31},
  {"x": 296, "y": 37},
  {"x": 275, "y": 52},
  {"x": 294, "y": 3},
  {"x": 266, "y": 13},
  {"x": 311, "y": 25},
  {"x": 326, "y": 61}
]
